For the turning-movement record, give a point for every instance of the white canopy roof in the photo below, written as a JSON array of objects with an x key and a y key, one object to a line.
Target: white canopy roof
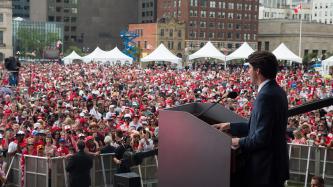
[
  {"x": 161, "y": 53},
  {"x": 208, "y": 51},
  {"x": 328, "y": 61},
  {"x": 97, "y": 55},
  {"x": 283, "y": 53},
  {"x": 243, "y": 52},
  {"x": 326, "y": 64},
  {"x": 116, "y": 55},
  {"x": 69, "y": 59}
]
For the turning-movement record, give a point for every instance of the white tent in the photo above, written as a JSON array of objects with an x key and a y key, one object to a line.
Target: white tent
[
  {"x": 283, "y": 53},
  {"x": 326, "y": 64},
  {"x": 243, "y": 52},
  {"x": 208, "y": 51},
  {"x": 97, "y": 55},
  {"x": 116, "y": 55},
  {"x": 161, "y": 53},
  {"x": 73, "y": 56}
]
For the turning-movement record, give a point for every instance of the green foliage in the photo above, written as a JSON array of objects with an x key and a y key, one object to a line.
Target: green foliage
[
  {"x": 72, "y": 48},
  {"x": 35, "y": 40}
]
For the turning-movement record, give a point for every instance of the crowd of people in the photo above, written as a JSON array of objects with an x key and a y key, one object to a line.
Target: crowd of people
[{"x": 115, "y": 108}]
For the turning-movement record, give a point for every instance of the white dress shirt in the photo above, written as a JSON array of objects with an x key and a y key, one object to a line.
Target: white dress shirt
[{"x": 263, "y": 84}]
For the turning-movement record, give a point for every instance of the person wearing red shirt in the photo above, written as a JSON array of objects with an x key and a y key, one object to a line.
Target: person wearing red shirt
[{"x": 62, "y": 149}]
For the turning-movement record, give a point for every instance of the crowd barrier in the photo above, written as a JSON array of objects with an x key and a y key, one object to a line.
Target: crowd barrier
[
  {"x": 306, "y": 161},
  {"x": 50, "y": 172}
]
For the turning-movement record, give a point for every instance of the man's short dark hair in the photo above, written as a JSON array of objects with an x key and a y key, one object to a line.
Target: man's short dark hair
[
  {"x": 320, "y": 180},
  {"x": 81, "y": 145},
  {"x": 119, "y": 133},
  {"x": 266, "y": 62}
]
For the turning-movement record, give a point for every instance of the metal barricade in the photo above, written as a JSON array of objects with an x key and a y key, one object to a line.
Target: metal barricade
[
  {"x": 36, "y": 171},
  {"x": 306, "y": 161},
  {"x": 59, "y": 177},
  {"x": 103, "y": 171},
  {"x": 45, "y": 172},
  {"x": 147, "y": 171},
  {"x": 14, "y": 177}
]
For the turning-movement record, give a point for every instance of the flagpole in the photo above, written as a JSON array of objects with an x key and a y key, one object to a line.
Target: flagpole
[{"x": 300, "y": 34}]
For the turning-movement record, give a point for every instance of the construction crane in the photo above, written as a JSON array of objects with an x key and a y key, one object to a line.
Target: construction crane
[{"x": 130, "y": 48}]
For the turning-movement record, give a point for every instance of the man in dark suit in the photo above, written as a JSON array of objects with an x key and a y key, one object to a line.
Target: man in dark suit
[
  {"x": 79, "y": 167},
  {"x": 262, "y": 140}
]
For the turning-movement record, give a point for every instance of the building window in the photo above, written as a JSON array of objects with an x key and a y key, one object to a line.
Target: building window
[
  {"x": 73, "y": 19},
  {"x": 202, "y": 34},
  {"x": 73, "y": 28},
  {"x": 179, "y": 33},
  {"x": 229, "y": 35},
  {"x": 1, "y": 37},
  {"x": 66, "y": 28},
  {"x": 66, "y": 19},
  {"x": 58, "y": 19},
  {"x": 259, "y": 46},
  {"x": 212, "y": 4},
  {"x": 58, "y": 9},
  {"x": 212, "y": 14},
  {"x": 1, "y": 17},
  {"x": 145, "y": 44},
  {"x": 171, "y": 33},
  {"x": 139, "y": 44},
  {"x": 203, "y": 13},
  {"x": 51, "y": 18},
  {"x": 202, "y": 24},
  {"x": 229, "y": 45},
  {"x": 266, "y": 46},
  {"x": 67, "y": 10},
  {"x": 203, "y": 3},
  {"x": 211, "y": 25},
  {"x": 179, "y": 46},
  {"x": 162, "y": 32},
  {"x": 74, "y": 10}
]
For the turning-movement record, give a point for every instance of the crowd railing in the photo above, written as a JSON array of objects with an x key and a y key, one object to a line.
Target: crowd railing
[{"x": 51, "y": 172}]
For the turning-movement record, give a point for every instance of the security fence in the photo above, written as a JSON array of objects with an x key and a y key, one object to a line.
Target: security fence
[
  {"x": 306, "y": 161},
  {"x": 50, "y": 172}
]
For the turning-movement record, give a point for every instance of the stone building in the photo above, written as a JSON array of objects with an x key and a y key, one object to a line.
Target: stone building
[{"x": 6, "y": 48}]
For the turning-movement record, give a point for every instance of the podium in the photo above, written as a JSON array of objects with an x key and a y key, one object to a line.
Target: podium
[{"x": 192, "y": 153}]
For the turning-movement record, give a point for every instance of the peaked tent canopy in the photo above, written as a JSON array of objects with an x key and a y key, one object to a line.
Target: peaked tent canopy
[
  {"x": 326, "y": 64},
  {"x": 116, "y": 55},
  {"x": 161, "y": 53},
  {"x": 97, "y": 55},
  {"x": 208, "y": 51},
  {"x": 69, "y": 58},
  {"x": 283, "y": 53},
  {"x": 243, "y": 52}
]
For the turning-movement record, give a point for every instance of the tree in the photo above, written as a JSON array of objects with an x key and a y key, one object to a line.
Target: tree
[
  {"x": 34, "y": 40},
  {"x": 72, "y": 48}
]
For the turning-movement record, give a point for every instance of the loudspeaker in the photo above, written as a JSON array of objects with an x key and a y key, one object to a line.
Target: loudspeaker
[{"x": 127, "y": 180}]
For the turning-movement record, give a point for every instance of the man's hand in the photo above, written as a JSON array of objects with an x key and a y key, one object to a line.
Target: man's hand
[
  {"x": 222, "y": 126},
  {"x": 235, "y": 143}
]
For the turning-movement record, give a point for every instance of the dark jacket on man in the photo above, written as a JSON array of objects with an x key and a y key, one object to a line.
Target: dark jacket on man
[
  {"x": 263, "y": 141},
  {"x": 79, "y": 167}
]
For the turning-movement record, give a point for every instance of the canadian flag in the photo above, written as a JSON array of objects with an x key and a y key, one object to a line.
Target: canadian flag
[{"x": 298, "y": 7}]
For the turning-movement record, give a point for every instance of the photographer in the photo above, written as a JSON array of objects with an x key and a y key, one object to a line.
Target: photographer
[
  {"x": 122, "y": 153},
  {"x": 12, "y": 65}
]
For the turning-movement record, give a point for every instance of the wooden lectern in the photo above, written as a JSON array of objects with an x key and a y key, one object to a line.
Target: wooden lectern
[{"x": 192, "y": 153}]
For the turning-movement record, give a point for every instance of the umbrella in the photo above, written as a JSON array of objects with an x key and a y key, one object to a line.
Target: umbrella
[{"x": 6, "y": 91}]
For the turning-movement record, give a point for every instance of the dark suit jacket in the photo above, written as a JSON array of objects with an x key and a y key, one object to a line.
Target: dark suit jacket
[
  {"x": 263, "y": 139},
  {"x": 79, "y": 167}
]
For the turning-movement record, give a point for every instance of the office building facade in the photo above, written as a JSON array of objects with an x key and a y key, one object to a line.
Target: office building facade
[
  {"x": 61, "y": 11},
  {"x": 6, "y": 48},
  {"x": 147, "y": 11},
  {"x": 227, "y": 23},
  {"x": 21, "y": 8}
]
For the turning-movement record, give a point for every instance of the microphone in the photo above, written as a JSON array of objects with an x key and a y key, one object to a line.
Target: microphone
[{"x": 231, "y": 95}]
